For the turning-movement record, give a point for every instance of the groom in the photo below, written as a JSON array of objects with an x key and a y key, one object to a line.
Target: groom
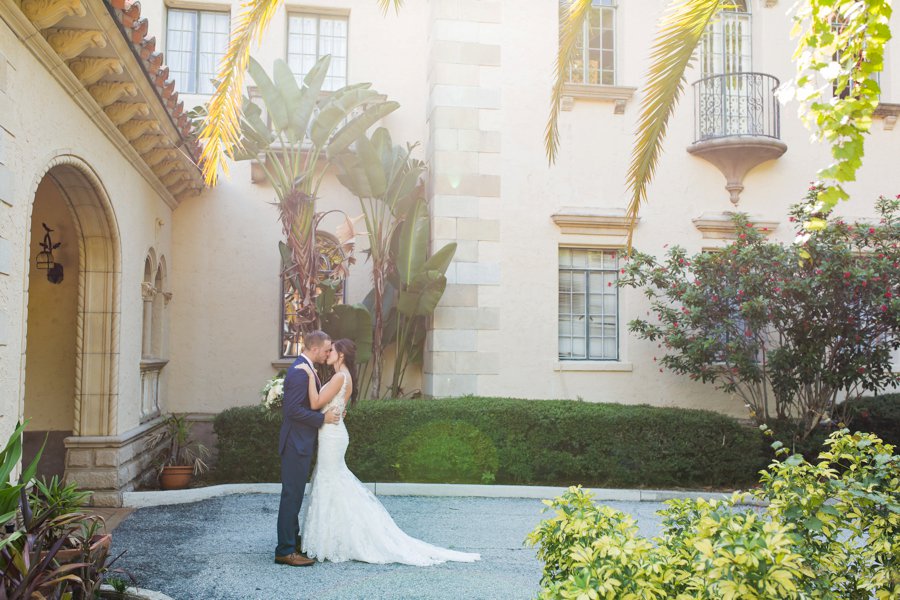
[{"x": 296, "y": 444}]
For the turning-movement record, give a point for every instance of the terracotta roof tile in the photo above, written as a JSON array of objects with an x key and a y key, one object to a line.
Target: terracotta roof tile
[
  {"x": 148, "y": 46},
  {"x": 135, "y": 29},
  {"x": 139, "y": 31}
]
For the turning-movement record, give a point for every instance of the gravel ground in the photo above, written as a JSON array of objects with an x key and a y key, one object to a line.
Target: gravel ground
[{"x": 223, "y": 549}]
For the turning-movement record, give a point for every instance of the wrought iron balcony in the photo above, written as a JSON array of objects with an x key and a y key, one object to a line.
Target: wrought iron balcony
[
  {"x": 736, "y": 104},
  {"x": 737, "y": 124}
]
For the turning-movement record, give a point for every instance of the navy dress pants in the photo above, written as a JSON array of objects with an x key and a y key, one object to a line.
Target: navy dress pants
[{"x": 294, "y": 473}]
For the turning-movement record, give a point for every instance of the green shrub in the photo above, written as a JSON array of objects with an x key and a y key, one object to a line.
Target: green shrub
[
  {"x": 877, "y": 414},
  {"x": 447, "y": 452},
  {"x": 831, "y": 530},
  {"x": 547, "y": 442},
  {"x": 247, "y": 439}
]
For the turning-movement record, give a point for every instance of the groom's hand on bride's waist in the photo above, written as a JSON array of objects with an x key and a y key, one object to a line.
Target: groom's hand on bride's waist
[{"x": 332, "y": 418}]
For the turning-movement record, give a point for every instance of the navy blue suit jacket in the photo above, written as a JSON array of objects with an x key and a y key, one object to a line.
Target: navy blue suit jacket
[{"x": 300, "y": 424}]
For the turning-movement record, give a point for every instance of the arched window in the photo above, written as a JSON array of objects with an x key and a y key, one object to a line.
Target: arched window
[
  {"x": 331, "y": 256},
  {"x": 147, "y": 294},
  {"x": 158, "y": 331},
  {"x": 726, "y": 44},
  {"x": 153, "y": 345}
]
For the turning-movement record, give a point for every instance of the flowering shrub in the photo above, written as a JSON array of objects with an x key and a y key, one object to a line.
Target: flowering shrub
[
  {"x": 831, "y": 530},
  {"x": 790, "y": 328},
  {"x": 273, "y": 393}
]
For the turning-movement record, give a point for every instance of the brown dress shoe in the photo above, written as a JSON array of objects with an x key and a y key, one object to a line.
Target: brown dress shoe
[{"x": 294, "y": 560}]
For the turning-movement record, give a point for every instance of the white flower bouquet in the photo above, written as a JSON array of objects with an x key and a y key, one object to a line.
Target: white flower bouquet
[{"x": 273, "y": 393}]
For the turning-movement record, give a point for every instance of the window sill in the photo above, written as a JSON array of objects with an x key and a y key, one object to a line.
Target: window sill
[
  {"x": 619, "y": 95},
  {"x": 594, "y": 365},
  {"x": 889, "y": 112},
  {"x": 283, "y": 363}
]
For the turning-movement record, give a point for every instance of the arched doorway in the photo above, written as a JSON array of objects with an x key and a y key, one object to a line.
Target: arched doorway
[{"x": 71, "y": 339}]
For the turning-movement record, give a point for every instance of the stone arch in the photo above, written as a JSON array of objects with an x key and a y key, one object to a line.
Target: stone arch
[{"x": 99, "y": 275}]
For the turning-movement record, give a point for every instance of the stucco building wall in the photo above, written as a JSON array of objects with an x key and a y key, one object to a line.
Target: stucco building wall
[{"x": 474, "y": 79}]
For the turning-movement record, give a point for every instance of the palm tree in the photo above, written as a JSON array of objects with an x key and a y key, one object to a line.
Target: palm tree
[{"x": 221, "y": 130}]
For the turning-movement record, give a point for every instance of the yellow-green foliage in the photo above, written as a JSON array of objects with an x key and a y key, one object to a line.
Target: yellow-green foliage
[{"x": 829, "y": 530}]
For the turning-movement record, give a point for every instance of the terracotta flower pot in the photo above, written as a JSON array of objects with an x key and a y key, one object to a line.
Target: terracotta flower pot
[
  {"x": 71, "y": 555},
  {"x": 175, "y": 478}
]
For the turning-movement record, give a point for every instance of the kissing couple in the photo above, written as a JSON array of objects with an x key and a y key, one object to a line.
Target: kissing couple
[{"x": 342, "y": 520}]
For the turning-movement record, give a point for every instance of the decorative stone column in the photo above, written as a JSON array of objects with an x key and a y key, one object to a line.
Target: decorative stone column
[
  {"x": 147, "y": 294},
  {"x": 464, "y": 121}
]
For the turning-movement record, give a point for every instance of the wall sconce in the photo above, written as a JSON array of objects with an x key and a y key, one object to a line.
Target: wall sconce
[{"x": 44, "y": 259}]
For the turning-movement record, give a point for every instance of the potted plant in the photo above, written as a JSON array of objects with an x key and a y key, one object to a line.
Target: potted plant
[{"x": 183, "y": 457}]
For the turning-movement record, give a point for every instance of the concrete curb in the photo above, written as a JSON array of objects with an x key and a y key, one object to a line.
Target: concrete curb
[
  {"x": 135, "y": 593},
  {"x": 162, "y": 498}
]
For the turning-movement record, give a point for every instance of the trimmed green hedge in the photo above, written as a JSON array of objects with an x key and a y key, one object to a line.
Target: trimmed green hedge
[
  {"x": 877, "y": 414},
  {"x": 539, "y": 442}
]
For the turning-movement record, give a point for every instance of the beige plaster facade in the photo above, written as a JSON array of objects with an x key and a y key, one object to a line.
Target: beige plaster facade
[{"x": 174, "y": 299}]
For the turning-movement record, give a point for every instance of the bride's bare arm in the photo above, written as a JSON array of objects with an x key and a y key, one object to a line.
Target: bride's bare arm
[{"x": 319, "y": 398}]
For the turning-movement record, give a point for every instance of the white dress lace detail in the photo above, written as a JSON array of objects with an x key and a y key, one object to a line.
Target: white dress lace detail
[{"x": 343, "y": 520}]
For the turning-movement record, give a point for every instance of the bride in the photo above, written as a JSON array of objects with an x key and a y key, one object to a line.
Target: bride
[{"x": 343, "y": 520}]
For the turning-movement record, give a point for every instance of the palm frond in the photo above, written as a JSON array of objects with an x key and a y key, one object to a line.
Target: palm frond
[
  {"x": 386, "y": 4},
  {"x": 572, "y": 14},
  {"x": 221, "y": 130},
  {"x": 680, "y": 31}
]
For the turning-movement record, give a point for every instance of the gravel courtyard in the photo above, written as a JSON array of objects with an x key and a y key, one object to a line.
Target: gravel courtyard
[{"x": 223, "y": 548}]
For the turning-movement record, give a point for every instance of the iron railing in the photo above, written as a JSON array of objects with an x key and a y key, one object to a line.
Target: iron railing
[{"x": 736, "y": 104}]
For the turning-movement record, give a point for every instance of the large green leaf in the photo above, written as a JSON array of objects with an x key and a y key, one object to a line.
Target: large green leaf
[
  {"x": 440, "y": 260},
  {"x": 336, "y": 108},
  {"x": 372, "y": 166},
  {"x": 352, "y": 175},
  {"x": 275, "y": 103},
  {"x": 423, "y": 295},
  {"x": 412, "y": 244},
  {"x": 352, "y": 321},
  {"x": 290, "y": 92},
  {"x": 347, "y": 134},
  {"x": 302, "y": 112}
]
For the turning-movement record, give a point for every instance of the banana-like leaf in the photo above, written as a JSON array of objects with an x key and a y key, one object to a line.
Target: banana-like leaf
[
  {"x": 325, "y": 301},
  {"x": 358, "y": 126},
  {"x": 352, "y": 175},
  {"x": 337, "y": 108},
  {"x": 252, "y": 124},
  {"x": 372, "y": 166},
  {"x": 286, "y": 84},
  {"x": 423, "y": 295},
  {"x": 303, "y": 110},
  {"x": 412, "y": 244},
  {"x": 275, "y": 103},
  {"x": 352, "y": 321},
  {"x": 440, "y": 260}
]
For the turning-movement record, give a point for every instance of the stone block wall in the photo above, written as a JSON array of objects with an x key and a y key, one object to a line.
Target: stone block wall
[
  {"x": 464, "y": 118},
  {"x": 110, "y": 465}
]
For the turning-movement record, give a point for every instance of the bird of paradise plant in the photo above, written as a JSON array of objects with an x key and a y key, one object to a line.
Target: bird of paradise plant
[
  {"x": 301, "y": 132},
  {"x": 221, "y": 131}
]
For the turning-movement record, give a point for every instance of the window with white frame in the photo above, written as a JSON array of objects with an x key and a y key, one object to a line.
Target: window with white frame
[
  {"x": 594, "y": 61},
  {"x": 310, "y": 37},
  {"x": 196, "y": 41},
  {"x": 588, "y": 304},
  {"x": 726, "y": 44}
]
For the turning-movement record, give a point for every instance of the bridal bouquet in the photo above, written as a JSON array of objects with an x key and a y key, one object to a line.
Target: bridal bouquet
[{"x": 273, "y": 392}]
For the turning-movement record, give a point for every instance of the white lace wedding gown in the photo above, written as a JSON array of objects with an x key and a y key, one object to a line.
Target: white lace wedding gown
[{"x": 343, "y": 520}]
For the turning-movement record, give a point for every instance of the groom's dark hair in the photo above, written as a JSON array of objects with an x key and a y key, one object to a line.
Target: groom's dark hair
[{"x": 315, "y": 338}]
